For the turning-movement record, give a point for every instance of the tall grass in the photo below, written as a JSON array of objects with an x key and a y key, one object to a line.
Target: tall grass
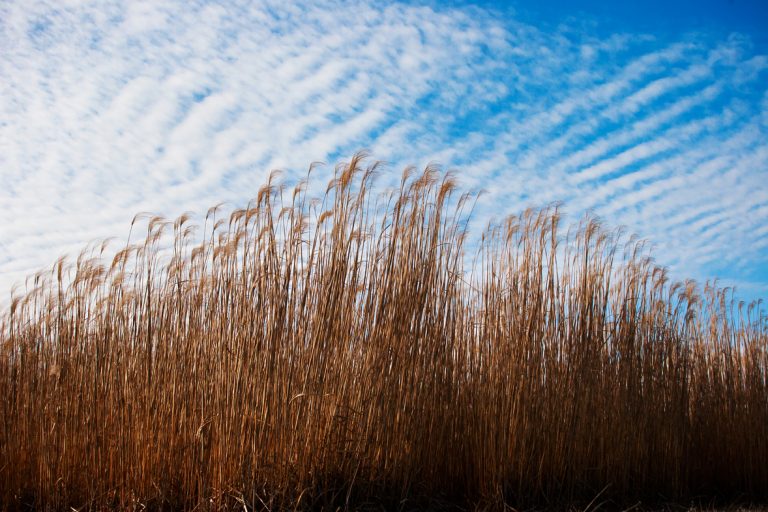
[{"x": 336, "y": 352}]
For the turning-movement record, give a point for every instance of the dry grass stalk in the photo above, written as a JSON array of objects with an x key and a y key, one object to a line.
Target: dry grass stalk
[{"x": 324, "y": 353}]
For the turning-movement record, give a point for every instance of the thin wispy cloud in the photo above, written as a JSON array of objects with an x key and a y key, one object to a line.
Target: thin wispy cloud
[{"x": 109, "y": 109}]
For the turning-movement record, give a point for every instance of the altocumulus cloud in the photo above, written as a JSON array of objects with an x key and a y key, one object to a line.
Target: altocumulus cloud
[{"x": 108, "y": 109}]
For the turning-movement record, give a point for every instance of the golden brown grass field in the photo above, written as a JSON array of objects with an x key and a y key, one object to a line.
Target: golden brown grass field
[{"x": 345, "y": 352}]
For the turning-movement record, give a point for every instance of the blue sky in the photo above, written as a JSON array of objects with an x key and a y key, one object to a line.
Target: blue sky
[
  {"x": 659, "y": 17},
  {"x": 653, "y": 116}
]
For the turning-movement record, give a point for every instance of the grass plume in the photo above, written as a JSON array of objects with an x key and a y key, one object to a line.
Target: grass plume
[{"x": 337, "y": 352}]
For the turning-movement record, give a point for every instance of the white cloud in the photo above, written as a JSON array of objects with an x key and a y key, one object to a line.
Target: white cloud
[{"x": 107, "y": 109}]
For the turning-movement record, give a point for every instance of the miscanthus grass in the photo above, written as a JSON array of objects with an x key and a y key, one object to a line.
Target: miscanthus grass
[{"x": 346, "y": 352}]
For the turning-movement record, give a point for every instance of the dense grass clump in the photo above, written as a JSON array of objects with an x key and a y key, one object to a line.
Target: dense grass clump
[{"x": 340, "y": 352}]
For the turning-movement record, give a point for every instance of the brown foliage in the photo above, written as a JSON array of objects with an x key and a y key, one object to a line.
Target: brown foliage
[{"x": 336, "y": 353}]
